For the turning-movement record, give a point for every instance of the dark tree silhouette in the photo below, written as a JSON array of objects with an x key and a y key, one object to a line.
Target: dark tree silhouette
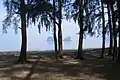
[
  {"x": 114, "y": 31},
  {"x": 27, "y": 14},
  {"x": 118, "y": 5},
  {"x": 103, "y": 30},
  {"x": 23, "y": 52},
  {"x": 110, "y": 29},
  {"x": 54, "y": 25},
  {"x": 60, "y": 46}
]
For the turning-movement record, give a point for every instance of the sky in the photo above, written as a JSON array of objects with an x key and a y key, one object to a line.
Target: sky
[{"x": 36, "y": 41}]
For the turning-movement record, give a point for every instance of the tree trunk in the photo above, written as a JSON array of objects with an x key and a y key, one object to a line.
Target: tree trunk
[
  {"x": 110, "y": 28},
  {"x": 114, "y": 32},
  {"x": 118, "y": 3},
  {"x": 80, "y": 44},
  {"x": 60, "y": 46},
  {"x": 22, "y": 57},
  {"x": 54, "y": 34},
  {"x": 103, "y": 30}
]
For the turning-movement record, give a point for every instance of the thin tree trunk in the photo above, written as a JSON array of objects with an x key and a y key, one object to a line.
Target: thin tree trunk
[
  {"x": 80, "y": 44},
  {"x": 103, "y": 30},
  {"x": 22, "y": 57},
  {"x": 110, "y": 28},
  {"x": 114, "y": 32},
  {"x": 55, "y": 37},
  {"x": 60, "y": 46},
  {"x": 118, "y": 3}
]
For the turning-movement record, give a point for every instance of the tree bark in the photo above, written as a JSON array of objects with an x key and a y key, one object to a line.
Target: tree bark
[
  {"x": 80, "y": 44},
  {"x": 114, "y": 32},
  {"x": 103, "y": 30},
  {"x": 23, "y": 52},
  {"x": 54, "y": 24},
  {"x": 60, "y": 46},
  {"x": 110, "y": 28}
]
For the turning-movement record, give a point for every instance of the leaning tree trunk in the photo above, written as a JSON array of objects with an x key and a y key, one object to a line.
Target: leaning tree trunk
[
  {"x": 103, "y": 30},
  {"x": 118, "y": 3},
  {"x": 22, "y": 57},
  {"x": 110, "y": 28},
  {"x": 54, "y": 34},
  {"x": 114, "y": 32},
  {"x": 60, "y": 46},
  {"x": 80, "y": 44}
]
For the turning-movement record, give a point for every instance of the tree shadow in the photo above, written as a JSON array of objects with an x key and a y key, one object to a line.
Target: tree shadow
[
  {"x": 46, "y": 68},
  {"x": 32, "y": 69},
  {"x": 10, "y": 71}
]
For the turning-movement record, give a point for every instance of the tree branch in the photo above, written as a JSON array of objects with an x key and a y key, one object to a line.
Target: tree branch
[
  {"x": 19, "y": 27},
  {"x": 15, "y": 2},
  {"x": 52, "y": 17}
]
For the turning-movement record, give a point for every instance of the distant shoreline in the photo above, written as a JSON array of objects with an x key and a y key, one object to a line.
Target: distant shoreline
[{"x": 53, "y": 50}]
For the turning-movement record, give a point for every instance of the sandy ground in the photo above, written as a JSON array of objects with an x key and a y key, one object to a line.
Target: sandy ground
[{"x": 46, "y": 67}]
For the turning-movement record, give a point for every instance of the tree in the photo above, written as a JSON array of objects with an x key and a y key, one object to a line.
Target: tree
[
  {"x": 28, "y": 13},
  {"x": 54, "y": 25},
  {"x": 118, "y": 5},
  {"x": 114, "y": 31},
  {"x": 14, "y": 10},
  {"x": 60, "y": 46},
  {"x": 86, "y": 17},
  {"x": 110, "y": 28},
  {"x": 110, "y": 24},
  {"x": 80, "y": 23},
  {"x": 47, "y": 18},
  {"x": 23, "y": 51},
  {"x": 103, "y": 30}
]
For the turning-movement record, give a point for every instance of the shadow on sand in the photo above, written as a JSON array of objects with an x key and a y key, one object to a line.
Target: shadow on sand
[{"x": 43, "y": 67}]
